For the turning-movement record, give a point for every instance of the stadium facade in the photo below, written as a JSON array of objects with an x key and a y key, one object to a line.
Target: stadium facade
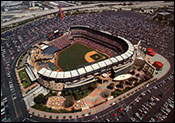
[{"x": 121, "y": 62}]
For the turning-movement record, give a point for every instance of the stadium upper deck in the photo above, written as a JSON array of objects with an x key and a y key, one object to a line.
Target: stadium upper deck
[{"x": 121, "y": 44}]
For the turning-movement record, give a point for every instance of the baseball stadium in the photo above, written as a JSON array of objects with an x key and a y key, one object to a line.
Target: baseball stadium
[{"x": 78, "y": 57}]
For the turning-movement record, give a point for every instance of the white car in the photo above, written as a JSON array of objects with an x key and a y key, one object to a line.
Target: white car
[
  {"x": 147, "y": 85},
  {"x": 155, "y": 87},
  {"x": 164, "y": 112},
  {"x": 14, "y": 97},
  {"x": 171, "y": 105},
  {"x": 132, "y": 119},
  {"x": 164, "y": 116},
  {"x": 145, "y": 107},
  {"x": 152, "y": 120},
  {"x": 143, "y": 94}
]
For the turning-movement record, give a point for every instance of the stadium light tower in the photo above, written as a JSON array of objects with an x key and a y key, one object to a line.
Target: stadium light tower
[
  {"x": 138, "y": 54},
  {"x": 60, "y": 10}
]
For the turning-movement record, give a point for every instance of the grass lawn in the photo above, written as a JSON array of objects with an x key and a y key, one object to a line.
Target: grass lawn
[
  {"x": 24, "y": 78},
  {"x": 73, "y": 56}
]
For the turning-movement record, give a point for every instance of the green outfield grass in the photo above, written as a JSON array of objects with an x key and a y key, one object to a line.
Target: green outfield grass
[
  {"x": 73, "y": 56},
  {"x": 24, "y": 78}
]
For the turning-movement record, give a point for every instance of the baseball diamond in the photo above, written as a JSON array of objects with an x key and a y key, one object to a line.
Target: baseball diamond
[{"x": 77, "y": 54}]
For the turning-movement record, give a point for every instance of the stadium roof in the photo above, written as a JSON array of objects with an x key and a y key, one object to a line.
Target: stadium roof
[
  {"x": 53, "y": 74},
  {"x": 129, "y": 53},
  {"x": 41, "y": 71},
  {"x": 67, "y": 74},
  {"x": 43, "y": 46},
  {"x": 74, "y": 73},
  {"x": 30, "y": 73},
  {"x": 88, "y": 68},
  {"x": 50, "y": 50},
  {"x": 119, "y": 58},
  {"x": 60, "y": 75},
  {"x": 102, "y": 64},
  {"x": 108, "y": 62},
  {"x": 81, "y": 71},
  {"x": 131, "y": 47},
  {"x": 114, "y": 60},
  {"x": 47, "y": 73},
  {"x": 95, "y": 66},
  {"x": 124, "y": 56}
]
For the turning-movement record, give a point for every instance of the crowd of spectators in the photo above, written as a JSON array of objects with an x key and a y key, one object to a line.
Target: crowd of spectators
[{"x": 61, "y": 42}]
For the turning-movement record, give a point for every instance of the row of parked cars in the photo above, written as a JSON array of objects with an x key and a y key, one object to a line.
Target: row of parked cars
[
  {"x": 5, "y": 114},
  {"x": 144, "y": 109},
  {"x": 165, "y": 109}
]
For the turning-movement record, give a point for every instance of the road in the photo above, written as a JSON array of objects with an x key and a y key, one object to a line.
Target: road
[{"x": 45, "y": 12}]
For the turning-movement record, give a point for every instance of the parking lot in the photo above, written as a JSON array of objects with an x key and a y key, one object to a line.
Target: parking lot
[{"x": 130, "y": 25}]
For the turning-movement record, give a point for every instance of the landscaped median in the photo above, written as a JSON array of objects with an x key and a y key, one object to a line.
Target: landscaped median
[{"x": 24, "y": 78}]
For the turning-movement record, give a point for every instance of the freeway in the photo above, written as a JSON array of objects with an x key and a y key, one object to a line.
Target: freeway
[{"x": 115, "y": 4}]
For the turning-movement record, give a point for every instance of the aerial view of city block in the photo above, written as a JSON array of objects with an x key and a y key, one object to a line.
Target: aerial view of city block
[{"x": 87, "y": 61}]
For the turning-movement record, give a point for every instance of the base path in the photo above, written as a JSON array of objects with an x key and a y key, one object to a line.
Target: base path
[{"x": 88, "y": 58}]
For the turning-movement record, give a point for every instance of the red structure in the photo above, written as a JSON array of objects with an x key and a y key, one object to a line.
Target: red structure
[
  {"x": 158, "y": 65},
  {"x": 115, "y": 114},
  {"x": 120, "y": 109},
  {"x": 61, "y": 11},
  {"x": 51, "y": 35},
  {"x": 150, "y": 51}
]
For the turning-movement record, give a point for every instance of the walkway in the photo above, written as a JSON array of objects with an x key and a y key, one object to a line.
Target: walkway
[{"x": 95, "y": 97}]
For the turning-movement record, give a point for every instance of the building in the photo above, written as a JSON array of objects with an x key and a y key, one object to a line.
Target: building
[{"x": 120, "y": 63}]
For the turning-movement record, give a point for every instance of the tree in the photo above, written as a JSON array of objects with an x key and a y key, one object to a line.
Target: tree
[
  {"x": 92, "y": 86},
  {"x": 99, "y": 81},
  {"x": 105, "y": 93},
  {"x": 75, "y": 92},
  {"x": 73, "y": 109},
  {"x": 112, "y": 73},
  {"x": 132, "y": 72},
  {"x": 70, "y": 92},
  {"x": 69, "y": 101},
  {"x": 40, "y": 99},
  {"x": 114, "y": 93},
  {"x": 110, "y": 86},
  {"x": 137, "y": 75},
  {"x": 121, "y": 83},
  {"x": 139, "y": 69},
  {"x": 128, "y": 83},
  {"x": 83, "y": 88}
]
